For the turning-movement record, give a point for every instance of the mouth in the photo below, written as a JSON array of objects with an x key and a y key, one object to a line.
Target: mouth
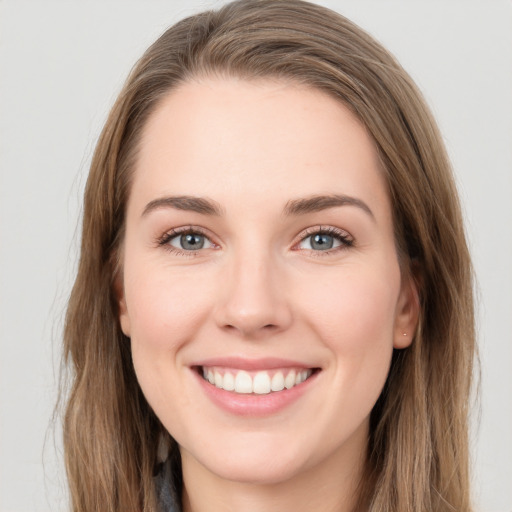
[{"x": 260, "y": 382}]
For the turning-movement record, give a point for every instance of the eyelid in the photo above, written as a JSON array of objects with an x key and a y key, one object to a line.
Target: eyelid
[
  {"x": 165, "y": 238},
  {"x": 346, "y": 239}
]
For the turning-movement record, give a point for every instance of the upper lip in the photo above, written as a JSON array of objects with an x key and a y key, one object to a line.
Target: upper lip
[{"x": 240, "y": 363}]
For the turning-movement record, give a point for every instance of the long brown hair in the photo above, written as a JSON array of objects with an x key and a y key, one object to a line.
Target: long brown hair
[{"x": 418, "y": 447}]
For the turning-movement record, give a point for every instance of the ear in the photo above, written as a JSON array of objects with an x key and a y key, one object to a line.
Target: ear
[
  {"x": 124, "y": 319},
  {"x": 407, "y": 313}
]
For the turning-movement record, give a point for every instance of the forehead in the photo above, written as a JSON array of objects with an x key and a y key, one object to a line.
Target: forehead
[{"x": 260, "y": 140}]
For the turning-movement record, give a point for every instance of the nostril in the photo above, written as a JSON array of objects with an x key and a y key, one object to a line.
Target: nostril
[{"x": 250, "y": 329}]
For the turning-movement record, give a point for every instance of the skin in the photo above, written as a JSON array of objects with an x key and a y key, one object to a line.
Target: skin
[{"x": 258, "y": 288}]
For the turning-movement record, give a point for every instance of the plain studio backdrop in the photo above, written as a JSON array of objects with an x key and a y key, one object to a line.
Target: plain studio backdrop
[{"x": 61, "y": 66}]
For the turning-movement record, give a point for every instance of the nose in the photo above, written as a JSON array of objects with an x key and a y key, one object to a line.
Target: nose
[{"x": 254, "y": 300}]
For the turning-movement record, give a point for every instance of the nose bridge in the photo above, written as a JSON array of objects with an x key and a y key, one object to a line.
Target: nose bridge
[{"x": 254, "y": 300}]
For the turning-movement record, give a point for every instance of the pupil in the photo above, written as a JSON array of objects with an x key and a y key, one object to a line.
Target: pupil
[
  {"x": 191, "y": 241},
  {"x": 322, "y": 242}
]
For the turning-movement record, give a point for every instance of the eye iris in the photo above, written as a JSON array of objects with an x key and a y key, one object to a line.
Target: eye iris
[
  {"x": 192, "y": 241},
  {"x": 322, "y": 242}
]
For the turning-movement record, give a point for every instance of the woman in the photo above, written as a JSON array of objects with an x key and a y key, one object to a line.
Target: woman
[{"x": 273, "y": 308}]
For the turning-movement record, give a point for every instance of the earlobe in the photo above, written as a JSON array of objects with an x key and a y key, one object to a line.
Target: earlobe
[
  {"x": 124, "y": 319},
  {"x": 407, "y": 314}
]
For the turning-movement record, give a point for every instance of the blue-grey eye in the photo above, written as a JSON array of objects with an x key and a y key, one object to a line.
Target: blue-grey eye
[
  {"x": 321, "y": 242},
  {"x": 190, "y": 242}
]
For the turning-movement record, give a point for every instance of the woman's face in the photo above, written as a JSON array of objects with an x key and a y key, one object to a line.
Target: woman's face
[{"x": 259, "y": 254}]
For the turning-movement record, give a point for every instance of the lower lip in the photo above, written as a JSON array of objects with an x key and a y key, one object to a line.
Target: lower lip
[{"x": 253, "y": 404}]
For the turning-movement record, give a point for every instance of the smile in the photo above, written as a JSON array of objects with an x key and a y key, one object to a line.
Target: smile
[
  {"x": 254, "y": 387},
  {"x": 256, "y": 382}
]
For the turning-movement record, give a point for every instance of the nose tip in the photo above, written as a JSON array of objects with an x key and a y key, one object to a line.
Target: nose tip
[
  {"x": 255, "y": 303},
  {"x": 251, "y": 324}
]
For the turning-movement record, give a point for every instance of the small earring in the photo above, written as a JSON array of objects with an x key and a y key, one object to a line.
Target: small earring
[{"x": 404, "y": 334}]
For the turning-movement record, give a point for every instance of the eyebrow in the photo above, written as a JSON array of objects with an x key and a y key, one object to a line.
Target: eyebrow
[
  {"x": 323, "y": 202},
  {"x": 300, "y": 206},
  {"x": 188, "y": 203}
]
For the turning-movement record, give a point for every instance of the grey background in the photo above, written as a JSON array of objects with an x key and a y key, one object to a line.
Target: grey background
[{"x": 61, "y": 65}]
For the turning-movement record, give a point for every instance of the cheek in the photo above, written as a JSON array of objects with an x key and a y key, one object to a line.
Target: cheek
[
  {"x": 356, "y": 325},
  {"x": 166, "y": 307},
  {"x": 166, "y": 310},
  {"x": 354, "y": 315}
]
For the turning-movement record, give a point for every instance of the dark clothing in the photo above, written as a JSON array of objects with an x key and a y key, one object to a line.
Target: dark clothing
[{"x": 167, "y": 496}]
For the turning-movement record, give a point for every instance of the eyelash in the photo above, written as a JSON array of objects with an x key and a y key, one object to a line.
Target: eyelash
[
  {"x": 164, "y": 240},
  {"x": 346, "y": 241}
]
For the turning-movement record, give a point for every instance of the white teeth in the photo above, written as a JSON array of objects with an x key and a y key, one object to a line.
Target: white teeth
[
  {"x": 289, "y": 381},
  {"x": 243, "y": 382},
  {"x": 229, "y": 382},
  {"x": 302, "y": 376},
  {"x": 260, "y": 383},
  {"x": 277, "y": 383}
]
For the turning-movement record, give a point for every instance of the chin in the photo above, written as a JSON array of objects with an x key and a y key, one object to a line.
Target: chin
[
  {"x": 257, "y": 472},
  {"x": 254, "y": 461}
]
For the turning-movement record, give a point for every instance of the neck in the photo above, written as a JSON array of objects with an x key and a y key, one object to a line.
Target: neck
[{"x": 331, "y": 486}]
